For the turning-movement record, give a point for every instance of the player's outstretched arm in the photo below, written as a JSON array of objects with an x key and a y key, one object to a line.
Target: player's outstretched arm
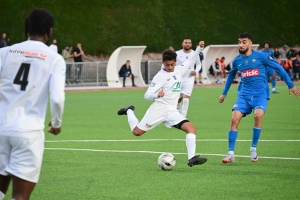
[
  {"x": 222, "y": 98},
  {"x": 294, "y": 90}
]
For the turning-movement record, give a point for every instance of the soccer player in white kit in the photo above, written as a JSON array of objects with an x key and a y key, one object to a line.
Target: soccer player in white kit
[
  {"x": 189, "y": 75},
  {"x": 28, "y": 72},
  {"x": 165, "y": 90}
]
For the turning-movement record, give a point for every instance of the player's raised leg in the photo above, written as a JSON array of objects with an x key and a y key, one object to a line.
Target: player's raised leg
[
  {"x": 232, "y": 135},
  {"x": 132, "y": 120}
]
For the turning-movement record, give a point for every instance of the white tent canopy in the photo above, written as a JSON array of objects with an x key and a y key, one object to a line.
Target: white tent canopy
[{"x": 118, "y": 58}]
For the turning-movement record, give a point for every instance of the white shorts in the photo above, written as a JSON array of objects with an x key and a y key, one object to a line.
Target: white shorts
[
  {"x": 22, "y": 156},
  {"x": 187, "y": 86},
  {"x": 160, "y": 113}
]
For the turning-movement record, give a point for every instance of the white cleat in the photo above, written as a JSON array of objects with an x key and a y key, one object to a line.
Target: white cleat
[{"x": 228, "y": 159}]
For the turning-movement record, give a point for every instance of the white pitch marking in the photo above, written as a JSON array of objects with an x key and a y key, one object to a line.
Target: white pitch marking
[
  {"x": 156, "y": 152},
  {"x": 147, "y": 140}
]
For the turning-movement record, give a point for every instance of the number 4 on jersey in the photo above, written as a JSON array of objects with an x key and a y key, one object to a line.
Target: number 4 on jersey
[{"x": 22, "y": 76}]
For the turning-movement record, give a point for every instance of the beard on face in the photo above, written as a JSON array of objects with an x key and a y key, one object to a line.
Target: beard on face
[
  {"x": 243, "y": 51},
  {"x": 187, "y": 48}
]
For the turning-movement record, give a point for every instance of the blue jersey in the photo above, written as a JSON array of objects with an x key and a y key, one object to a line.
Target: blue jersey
[
  {"x": 253, "y": 74},
  {"x": 269, "y": 52}
]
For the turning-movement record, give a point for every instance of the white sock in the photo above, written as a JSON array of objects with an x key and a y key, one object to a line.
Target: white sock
[
  {"x": 252, "y": 148},
  {"x": 179, "y": 107},
  {"x": 191, "y": 144},
  {"x": 132, "y": 120},
  {"x": 273, "y": 89},
  {"x": 231, "y": 152},
  {"x": 185, "y": 106},
  {"x": 2, "y": 195}
]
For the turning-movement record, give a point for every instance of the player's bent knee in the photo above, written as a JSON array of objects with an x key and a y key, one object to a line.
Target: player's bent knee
[{"x": 138, "y": 132}]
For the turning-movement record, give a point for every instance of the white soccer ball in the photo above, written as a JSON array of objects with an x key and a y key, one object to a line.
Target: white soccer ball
[{"x": 166, "y": 161}]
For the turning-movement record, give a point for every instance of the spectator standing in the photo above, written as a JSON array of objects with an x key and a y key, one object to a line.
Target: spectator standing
[
  {"x": 67, "y": 55},
  {"x": 276, "y": 52},
  {"x": 3, "y": 41},
  {"x": 25, "y": 83},
  {"x": 201, "y": 56},
  {"x": 292, "y": 53},
  {"x": 125, "y": 72},
  {"x": 284, "y": 51},
  {"x": 53, "y": 46},
  {"x": 77, "y": 55},
  {"x": 296, "y": 67}
]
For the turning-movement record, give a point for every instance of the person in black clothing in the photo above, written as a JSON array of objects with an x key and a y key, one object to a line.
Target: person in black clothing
[
  {"x": 3, "y": 41},
  {"x": 125, "y": 71},
  {"x": 77, "y": 55}
]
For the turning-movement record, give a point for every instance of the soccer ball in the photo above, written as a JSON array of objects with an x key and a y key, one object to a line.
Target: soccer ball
[{"x": 166, "y": 161}]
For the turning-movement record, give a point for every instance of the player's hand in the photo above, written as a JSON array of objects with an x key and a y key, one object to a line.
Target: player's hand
[
  {"x": 193, "y": 73},
  {"x": 161, "y": 93},
  {"x": 222, "y": 98},
  {"x": 54, "y": 131},
  {"x": 294, "y": 90}
]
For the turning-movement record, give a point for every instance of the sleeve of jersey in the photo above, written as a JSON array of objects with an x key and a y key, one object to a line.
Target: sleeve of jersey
[
  {"x": 270, "y": 62},
  {"x": 57, "y": 94},
  {"x": 190, "y": 62},
  {"x": 154, "y": 88},
  {"x": 230, "y": 79}
]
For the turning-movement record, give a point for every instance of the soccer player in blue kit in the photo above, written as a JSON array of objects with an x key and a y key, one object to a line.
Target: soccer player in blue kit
[
  {"x": 270, "y": 71},
  {"x": 254, "y": 91}
]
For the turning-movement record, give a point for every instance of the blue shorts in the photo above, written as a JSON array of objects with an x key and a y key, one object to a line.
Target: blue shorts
[
  {"x": 246, "y": 103},
  {"x": 270, "y": 71}
]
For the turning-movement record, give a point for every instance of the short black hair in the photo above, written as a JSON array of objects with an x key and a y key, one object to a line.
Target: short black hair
[
  {"x": 266, "y": 42},
  {"x": 39, "y": 22},
  {"x": 246, "y": 35},
  {"x": 169, "y": 55}
]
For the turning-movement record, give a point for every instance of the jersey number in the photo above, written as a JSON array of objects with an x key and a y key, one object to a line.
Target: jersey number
[{"x": 22, "y": 76}]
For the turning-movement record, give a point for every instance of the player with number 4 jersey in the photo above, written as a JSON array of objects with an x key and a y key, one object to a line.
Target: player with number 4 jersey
[{"x": 29, "y": 71}]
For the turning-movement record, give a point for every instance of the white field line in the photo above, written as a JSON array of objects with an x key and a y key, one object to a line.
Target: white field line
[
  {"x": 155, "y": 152},
  {"x": 148, "y": 140}
]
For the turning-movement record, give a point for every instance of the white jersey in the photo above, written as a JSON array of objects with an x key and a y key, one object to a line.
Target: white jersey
[
  {"x": 28, "y": 72},
  {"x": 54, "y": 48},
  {"x": 170, "y": 82},
  {"x": 181, "y": 58}
]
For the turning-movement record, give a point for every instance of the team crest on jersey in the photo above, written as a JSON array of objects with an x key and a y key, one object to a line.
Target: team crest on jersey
[
  {"x": 176, "y": 87},
  {"x": 253, "y": 60},
  {"x": 250, "y": 73},
  {"x": 152, "y": 84},
  {"x": 246, "y": 62},
  {"x": 174, "y": 77}
]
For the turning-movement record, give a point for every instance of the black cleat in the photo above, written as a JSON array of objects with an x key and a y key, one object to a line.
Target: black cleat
[
  {"x": 196, "y": 160},
  {"x": 123, "y": 111}
]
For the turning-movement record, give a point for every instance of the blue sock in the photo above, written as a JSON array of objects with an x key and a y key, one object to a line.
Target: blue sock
[
  {"x": 273, "y": 81},
  {"x": 255, "y": 136},
  {"x": 232, "y": 135}
]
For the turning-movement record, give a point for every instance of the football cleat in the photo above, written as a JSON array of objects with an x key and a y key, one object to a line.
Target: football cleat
[
  {"x": 253, "y": 155},
  {"x": 275, "y": 92},
  {"x": 196, "y": 160},
  {"x": 123, "y": 111},
  {"x": 228, "y": 159}
]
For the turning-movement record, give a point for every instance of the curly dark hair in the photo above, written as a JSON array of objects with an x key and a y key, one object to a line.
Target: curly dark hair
[
  {"x": 246, "y": 35},
  {"x": 39, "y": 22},
  {"x": 169, "y": 55}
]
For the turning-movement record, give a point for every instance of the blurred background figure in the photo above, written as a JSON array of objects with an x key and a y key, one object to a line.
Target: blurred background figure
[
  {"x": 53, "y": 46},
  {"x": 3, "y": 41}
]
